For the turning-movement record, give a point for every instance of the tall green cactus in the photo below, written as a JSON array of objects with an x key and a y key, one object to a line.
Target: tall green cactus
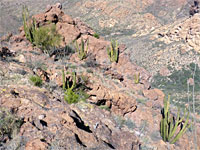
[
  {"x": 113, "y": 51},
  {"x": 70, "y": 96},
  {"x": 137, "y": 78},
  {"x": 29, "y": 28},
  {"x": 168, "y": 126},
  {"x": 82, "y": 50},
  {"x": 73, "y": 81}
]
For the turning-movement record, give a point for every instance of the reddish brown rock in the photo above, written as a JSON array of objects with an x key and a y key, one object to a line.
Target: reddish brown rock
[
  {"x": 67, "y": 19},
  {"x": 160, "y": 94},
  {"x": 122, "y": 144},
  {"x": 36, "y": 144},
  {"x": 83, "y": 28},
  {"x": 68, "y": 31},
  {"x": 42, "y": 74},
  {"x": 150, "y": 94},
  {"x": 40, "y": 19},
  {"x": 54, "y": 13},
  {"x": 123, "y": 103},
  {"x": 154, "y": 94}
]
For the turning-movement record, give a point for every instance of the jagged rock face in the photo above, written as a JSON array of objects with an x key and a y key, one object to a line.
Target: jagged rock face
[
  {"x": 187, "y": 31},
  {"x": 50, "y": 123}
]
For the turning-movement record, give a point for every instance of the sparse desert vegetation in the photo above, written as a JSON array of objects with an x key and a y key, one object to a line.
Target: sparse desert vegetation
[{"x": 90, "y": 92}]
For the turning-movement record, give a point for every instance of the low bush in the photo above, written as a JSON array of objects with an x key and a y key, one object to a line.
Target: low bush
[
  {"x": 36, "y": 80},
  {"x": 96, "y": 35},
  {"x": 9, "y": 125},
  {"x": 46, "y": 37},
  {"x": 70, "y": 96}
]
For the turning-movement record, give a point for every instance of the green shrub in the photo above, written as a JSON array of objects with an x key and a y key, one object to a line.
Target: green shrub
[
  {"x": 169, "y": 125},
  {"x": 70, "y": 96},
  {"x": 82, "y": 51},
  {"x": 36, "y": 80},
  {"x": 9, "y": 124},
  {"x": 96, "y": 35},
  {"x": 104, "y": 107},
  {"x": 113, "y": 51},
  {"x": 44, "y": 37},
  {"x": 83, "y": 96}
]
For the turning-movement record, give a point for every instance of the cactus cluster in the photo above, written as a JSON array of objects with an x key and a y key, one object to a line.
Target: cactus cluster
[
  {"x": 44, "y": 37},
  {"x": 169, "y": 125},
  {"x": 29, "y": 28},
  {"x": 82, "y": 50},
  {"x": 70, "y": 96},
  {"x": 113, "y": 51}
]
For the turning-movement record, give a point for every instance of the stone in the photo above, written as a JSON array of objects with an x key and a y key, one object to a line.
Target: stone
[
  {"x": 83, "y": 28},
  {"x": 160, "y": 94},
  {"x": 40, "y": 117},
  {"x": 123, "y": 103},
  {"x": 150, "y": 94},
  {"x": 21, "y": 58},
  {"x": 68, "y": 31},
  {"x": 36, "y": 144},
  {"x": 40, "y": 19},
  {"x": 124, "y": 140},
  {"x": 58, "y": 5},
  {"x": 67, "y": 19}
]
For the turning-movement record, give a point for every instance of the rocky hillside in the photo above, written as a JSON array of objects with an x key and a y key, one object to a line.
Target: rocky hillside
[{"x": 116, "y": 111}]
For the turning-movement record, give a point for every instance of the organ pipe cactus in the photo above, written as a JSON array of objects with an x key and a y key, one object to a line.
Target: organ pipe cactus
[
  {"x": 82, "y": 50},
  {"x": 70, "y": 96},
  {"x": 137, "y": 78},
  {"x": 113, "y": 51},
  {"x": 29, "y": 28},
  {"x": 169, "y": 125},
  {"x": 66, "y": 87}
]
